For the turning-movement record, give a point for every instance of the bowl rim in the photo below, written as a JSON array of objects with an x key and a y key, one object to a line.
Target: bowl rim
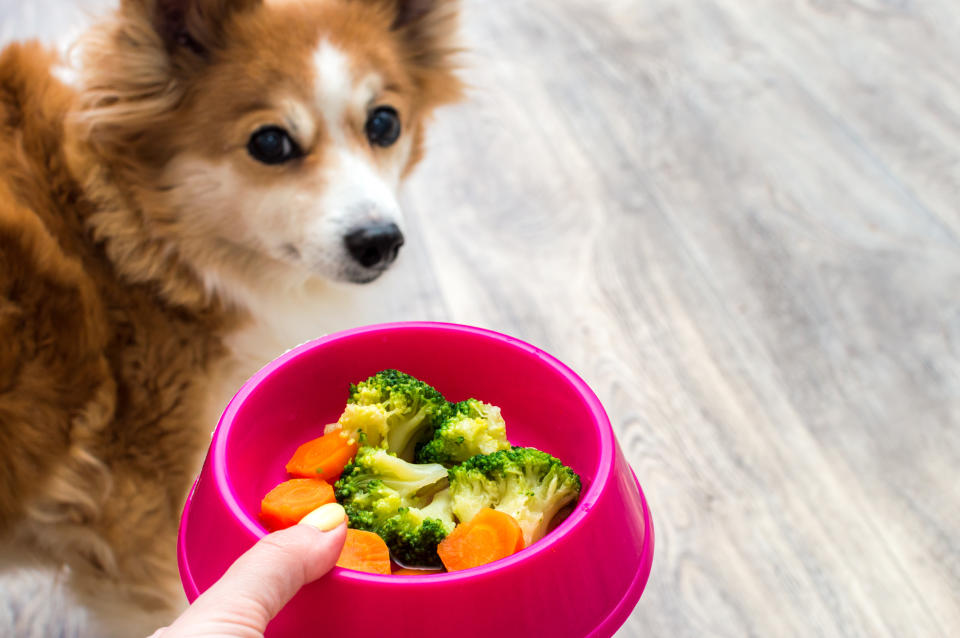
[{"x": 586, "y": 502}]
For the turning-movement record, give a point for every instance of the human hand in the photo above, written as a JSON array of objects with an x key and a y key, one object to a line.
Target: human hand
[{"x": 264, "y": 579}]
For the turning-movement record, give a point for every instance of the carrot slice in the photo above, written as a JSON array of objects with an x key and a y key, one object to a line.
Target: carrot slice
[
  {"x": 287, "y": 503},
  {"x": 364, "y": 552},
  {"x": 323, "y": 458},
  {"x": 490, "y": 535}
]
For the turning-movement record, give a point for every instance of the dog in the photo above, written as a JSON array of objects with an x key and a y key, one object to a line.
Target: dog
[{"x": 195, "y": 201}]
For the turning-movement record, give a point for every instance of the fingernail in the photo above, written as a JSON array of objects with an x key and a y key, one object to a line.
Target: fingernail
[{"x": 326, "y": 517}]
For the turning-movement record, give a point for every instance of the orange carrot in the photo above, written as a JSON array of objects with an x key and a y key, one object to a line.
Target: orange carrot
[
  {"x": 490, "y": 535},
  {"x": 323, "y": 458},
  {"x": 290, "y": 501},
  {"x": 364, "y": 552}
]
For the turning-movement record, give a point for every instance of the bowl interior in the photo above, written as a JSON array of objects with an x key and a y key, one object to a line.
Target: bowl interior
[{"x": 289, "y": 402}]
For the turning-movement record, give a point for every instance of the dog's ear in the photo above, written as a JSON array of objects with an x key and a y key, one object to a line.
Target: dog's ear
[
  {"x": 409, "y": 11},
  {"x": 194, "y": 26},
  {"x": 428, "y": 26},
  {"x": 428, "y": 33},
  {"x": 138, "y": 66}
]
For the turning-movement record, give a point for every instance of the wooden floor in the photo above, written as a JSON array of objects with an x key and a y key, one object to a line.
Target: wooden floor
[{"x": 740, "y": 223}]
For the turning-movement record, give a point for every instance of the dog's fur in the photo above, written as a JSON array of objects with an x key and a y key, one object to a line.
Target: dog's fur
[{"x": 148, "y": 263}]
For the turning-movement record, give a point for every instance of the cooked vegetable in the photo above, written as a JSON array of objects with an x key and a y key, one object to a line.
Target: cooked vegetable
[
  {"x": 529, "y": 485},
  {"x": 287, "y": 503},
  {"x": 504, "y": 498},
  {"x": 376, "y": 484},
  {"x": 472, "y": 427},
  {"x": 490, "y": 535},
  {"x": 364, "y": 552},
  {"x": 399, "y": 501},
  {"x": 324, "y": 457},
  {"x": 414, "y": 533},
  {"x": 392, "y": 410}
]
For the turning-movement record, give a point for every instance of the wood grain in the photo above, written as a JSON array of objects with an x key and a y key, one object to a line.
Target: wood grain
[{"x": 739, "y": 222}]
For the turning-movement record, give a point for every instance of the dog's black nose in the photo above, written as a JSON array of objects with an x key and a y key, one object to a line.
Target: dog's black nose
[{"x": 375, "y": 245}]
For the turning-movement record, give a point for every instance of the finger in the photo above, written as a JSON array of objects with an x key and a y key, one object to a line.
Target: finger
[{"x": 261, "y": 582}]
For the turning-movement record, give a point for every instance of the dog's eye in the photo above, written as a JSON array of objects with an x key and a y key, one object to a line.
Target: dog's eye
[
  {"x": 383, "y": 126},
  {"x": 272, "y": 145}
]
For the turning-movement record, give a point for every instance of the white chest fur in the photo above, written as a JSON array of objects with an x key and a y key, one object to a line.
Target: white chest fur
[{"x": 281, "y": 320}]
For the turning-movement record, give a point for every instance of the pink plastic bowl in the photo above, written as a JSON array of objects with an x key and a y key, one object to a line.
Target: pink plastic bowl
[{"x": 582, "y": 579}]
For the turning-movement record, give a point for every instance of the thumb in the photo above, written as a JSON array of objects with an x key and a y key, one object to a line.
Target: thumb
[{"x": 265, "y": 578}]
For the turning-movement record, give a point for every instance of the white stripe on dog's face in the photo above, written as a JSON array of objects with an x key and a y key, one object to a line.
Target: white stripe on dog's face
[
  {"x": 358, "y": 191},
  {"x": 335, "y": 88},
  {"x": 339, "y": 94}
]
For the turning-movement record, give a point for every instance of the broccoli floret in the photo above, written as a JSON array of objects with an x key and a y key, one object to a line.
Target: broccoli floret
[
  {"x": 530, "y": 485},
  {"x": 413, "y": 534},
  {"x": 393, "y": 410},
  {"x": 384, "y": 494},
  {"x": 375, "y": 469},
  {"x": 441, "y": 508},
  {"x": 368, "y": 505},
  {"x": 473, "y": 427}
]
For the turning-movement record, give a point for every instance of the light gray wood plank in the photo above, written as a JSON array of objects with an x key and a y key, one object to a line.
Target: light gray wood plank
[{"x": 743, "y": 269}]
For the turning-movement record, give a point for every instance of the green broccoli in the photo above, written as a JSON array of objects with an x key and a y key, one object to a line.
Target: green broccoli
[
  {"x": 472, "y": 427},
  {"x": 376, "y": 474},
  {"x": 413, "y": 534},
  {"x": 530, "y": 485},
  {"x": 393, "y": 410},
  {"x": 391, "y": 497},
  {"x": 368, "y": 504}
]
